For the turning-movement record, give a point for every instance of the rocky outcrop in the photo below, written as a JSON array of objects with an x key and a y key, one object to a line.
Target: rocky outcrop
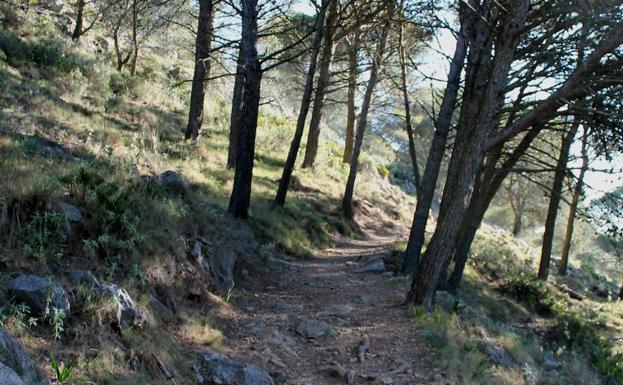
[
  {"x": 127, "y": 312},
  {"x": 38, "y": 293},
  {"x": 173, "y": 182},
  {"x": 217, "y": 369},
  {"x": 15, "y": 362}
]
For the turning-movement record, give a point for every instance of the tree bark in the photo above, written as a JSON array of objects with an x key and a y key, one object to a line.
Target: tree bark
[
  {"x": 487, "y": 78},
  {"x": 353, "y": 72},
  {"x": 236, "y": 110},
  {"x": 324, "y": 73},
  {"x": 284, "y": 183},
  {"x": 573, "y": 208},
  {"x": 554, "y": 201},
  {"x": 134, "y": 39},
  {"x": 435, "y": 157},
  {"x": 203, "y": 46},
  {"x": 75, "y": 36},
  {"x": 347, "y": 201},
  {"x": 407, "y": 106},
  {"x": 517, "y": 207},
  {"x": 241, "y": 192}
]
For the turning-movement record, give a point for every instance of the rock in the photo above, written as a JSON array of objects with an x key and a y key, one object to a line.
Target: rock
[
  {"x": 163, "y": 312},
  {"x": 499, "y": 356},
  {"x": 376, "y": 265},
  {"x": 550, "y": 363},
  {"x": 279, "y": 378},
  {"x": 82, "y": 277},
  {"x": 337, "y": 310},
  {"x": 39, "y": 293},
  {"x": 217, "y": 369},
  {"x": 314, "y": 329},
  {"x": 388, "y": 274},
  {"x": 551, "y": 377},
  {"x": 102, "y": 43},
  {"x": 53, "y": 5},
  {"x": 9, "y": 377},
  {"x": 127, "y": 313},
  {"x": 365, "y": 300},
  {"x": 222, "y": 260},
  {"x": 14, "y": 360},
  {"x": 172, "y": 181},
  {"x": 72, "y": 212},
  {"x": 600, "y": 291}
]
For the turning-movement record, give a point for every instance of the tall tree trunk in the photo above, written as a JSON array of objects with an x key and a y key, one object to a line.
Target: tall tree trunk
[
  {"x": 517, "y": 207},
  {"x": 75, "y": 36},
  {"x": 323, "y": 82},
  {"x": 554, "y": 200},
  {"x": 134, "y": 39},
  {"x": 407, "y": 106},
  {"x": 573, "y": 208},
  {"x": 487, "y": 78},
  {"x": 353, "y": 72},
  {"x": 241, "y": 192},
  {"x": 480, "y": 202},
  {"x": 621, "y": 293},
  {"x": 435, "y": 156},
  {"x": 284, "y": 183},
  {"x": 347, "y": 201},
  {"x": 203, "y": 46},
  {"x": 236, "y": 110}
]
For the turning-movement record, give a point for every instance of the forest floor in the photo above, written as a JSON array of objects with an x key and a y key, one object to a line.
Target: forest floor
[{"x": 346, "y": 308}]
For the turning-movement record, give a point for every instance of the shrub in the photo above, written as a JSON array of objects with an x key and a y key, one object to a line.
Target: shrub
[{"x": 528, "y": 289}]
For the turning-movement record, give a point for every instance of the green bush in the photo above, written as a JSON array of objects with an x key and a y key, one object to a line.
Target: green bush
[{"x": 528, "y": 289}]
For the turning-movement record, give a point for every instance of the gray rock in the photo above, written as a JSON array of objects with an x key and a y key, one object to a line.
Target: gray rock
[
  {"x": 72, "y": 212},
  {"x": 163, "y": 312},
  {"x": 128, "y": 314},
  {"x": 376, "y": 265},
  {"x": 314, "y": 329},
  {"x": 39, "y": 293},
  {"x": 365, "y": 300},
  {"x": 82, "y": 277},
  {"x": 173, "y": 182},
  {"x": 222, "y": 261},
  {"x": 339, "y": 310},
  {"x": 499, "y": 356},
  {"x": 53, "y": 5},
  {"x": 550, "y": 363},
  {"x": 279, "y": 378},
  {"x": 219, "y": 369},
  {"x": 9, "y": 377},
  {"x": 14, "y": 358}
]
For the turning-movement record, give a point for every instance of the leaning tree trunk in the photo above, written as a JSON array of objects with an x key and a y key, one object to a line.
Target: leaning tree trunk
[
  {"x": 435, "y": 157},
  {"x": 236, "y": 110},
  {"x": 347, "y": 201},
  {"x": 241, "y": 192},
  {"x": 487, "y": 77},
  {"x": 203, "y": 46},
  {"x": 407, "y": 106},
  {"x": 78, "y": 29},
  {"x": 284, "y": 183},
  {"x": 353, "y": 72},
  {"x": 554, "y": 201},
  {"x": 573, "y": 208},
  {"x": 323, "y": 82}
]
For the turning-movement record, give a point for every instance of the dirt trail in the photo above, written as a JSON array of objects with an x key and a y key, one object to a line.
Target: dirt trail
[{"x": 327, "y": 288}]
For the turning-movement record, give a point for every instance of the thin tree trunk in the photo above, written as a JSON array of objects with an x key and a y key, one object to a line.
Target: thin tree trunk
[
  {"x": 554, "y": 201},
  {"x": 621, "y": 293},
  {"x": 241, "y": 192},
  {"x": 75, "y": 36},
  {"x": 573, "y": 208},
  {"x": 313, "y": 136},
  {"x": 353, "y": 72},
  {"x": 407, "y": 106},
  {"x": 236, "y": 110},
  {"x": 284, "y": 183},
  {"x": 517, "y": 207},
  {"x": 203, "y": 46},
  {"x": 347, "y": 201},
  {"x": 134, "y": 39},
  {"x": 435, "y": 157}
]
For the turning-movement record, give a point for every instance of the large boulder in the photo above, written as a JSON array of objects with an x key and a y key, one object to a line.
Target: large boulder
[
  {"x": 172, "y": 181},
  {"x": 309, "y": 328},
  {"x": 217, "y": 369},
  {"x": 39, "y": 293},
  {"x": 9, "y": 377},
  {"x": 15, "y": 361},
  {"x": 127, "y": 312},
  {"x": 222, "y": 261}
]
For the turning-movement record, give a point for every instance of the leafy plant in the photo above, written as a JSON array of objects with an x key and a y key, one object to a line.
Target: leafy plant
[
  {"x": 46, "y": 232},
  {"x": 527, "y": 288},
  {"x": 230, "y": 292},
  {"x": 56, "y": 318},
  {"x": 63, "y": 375}
]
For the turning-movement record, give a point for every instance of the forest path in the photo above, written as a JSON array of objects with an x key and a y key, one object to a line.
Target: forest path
[{"x": 326, "y": 295}]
